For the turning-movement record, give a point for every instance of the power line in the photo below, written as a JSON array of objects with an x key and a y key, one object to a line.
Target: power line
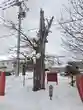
[
  {"x": 70, "y": 21},
  {"x": 32, "y": 29},
  {"x": 55, "y": 24},
  {"x": 6, "y": 36}
]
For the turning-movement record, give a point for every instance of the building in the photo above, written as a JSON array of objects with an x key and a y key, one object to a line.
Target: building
[
  {"x": 6, "y": 65},
  {"x": 9, "y": 65},
  {"x": 77, "y": 63}
]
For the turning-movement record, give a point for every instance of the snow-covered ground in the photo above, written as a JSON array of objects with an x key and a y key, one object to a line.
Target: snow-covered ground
[{"x": 18, "y": 97}]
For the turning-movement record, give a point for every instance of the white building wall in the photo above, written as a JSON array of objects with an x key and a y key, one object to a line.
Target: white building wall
[{"x": 8, "y": 64}]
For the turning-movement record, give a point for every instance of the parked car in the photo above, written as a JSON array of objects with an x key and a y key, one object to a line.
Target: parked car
[{"x": 8, "y": 73}]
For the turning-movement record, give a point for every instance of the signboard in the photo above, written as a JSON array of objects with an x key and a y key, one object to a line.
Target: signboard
[
  {"x": 52, "y": 77},
  {"x": 79, "y": 83}
]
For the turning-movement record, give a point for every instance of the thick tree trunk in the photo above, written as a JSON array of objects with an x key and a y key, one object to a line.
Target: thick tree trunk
[
  {"x": 38, "y": 71},
  {"x": 42, "y": 72},
  {"x": 37, "y": 74}
]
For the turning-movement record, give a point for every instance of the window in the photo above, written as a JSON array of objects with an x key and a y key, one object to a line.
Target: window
[
  {"x": 7, "y": 63},
  {"x": 2, "y": 63}
]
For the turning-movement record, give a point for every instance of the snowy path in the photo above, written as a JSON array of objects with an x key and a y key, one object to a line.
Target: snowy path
[{"x": 23, "y": 98}]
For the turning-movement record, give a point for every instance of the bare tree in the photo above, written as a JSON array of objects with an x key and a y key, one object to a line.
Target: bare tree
[
  {"x": 72, "y": 27},
  {"x": 38, "y": 45}
]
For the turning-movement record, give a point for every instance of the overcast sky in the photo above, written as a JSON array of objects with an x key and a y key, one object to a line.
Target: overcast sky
[{"x": 51, "y": 8}]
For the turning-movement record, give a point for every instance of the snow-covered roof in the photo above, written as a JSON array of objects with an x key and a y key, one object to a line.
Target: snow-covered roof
[
  {"x": 77, "y": 61},
  {"x": 59, "y": 66},
  {"x": 4, "y": 58}
]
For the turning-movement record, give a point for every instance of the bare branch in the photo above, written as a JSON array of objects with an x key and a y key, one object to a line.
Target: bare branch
[{"x": 72, "y": 28}]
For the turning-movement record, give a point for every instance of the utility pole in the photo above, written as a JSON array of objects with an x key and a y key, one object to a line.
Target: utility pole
[
  {"x": 18, "y": 40},
  {"x": 22, "y": 14}
]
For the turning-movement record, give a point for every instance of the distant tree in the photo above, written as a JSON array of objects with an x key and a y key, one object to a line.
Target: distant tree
[
  {"x": 72, "y": 70},
  {"x": 71, "y": 25}
]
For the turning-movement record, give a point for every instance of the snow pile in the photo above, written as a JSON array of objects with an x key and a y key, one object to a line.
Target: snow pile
[{"x": 18, "y": 97}]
